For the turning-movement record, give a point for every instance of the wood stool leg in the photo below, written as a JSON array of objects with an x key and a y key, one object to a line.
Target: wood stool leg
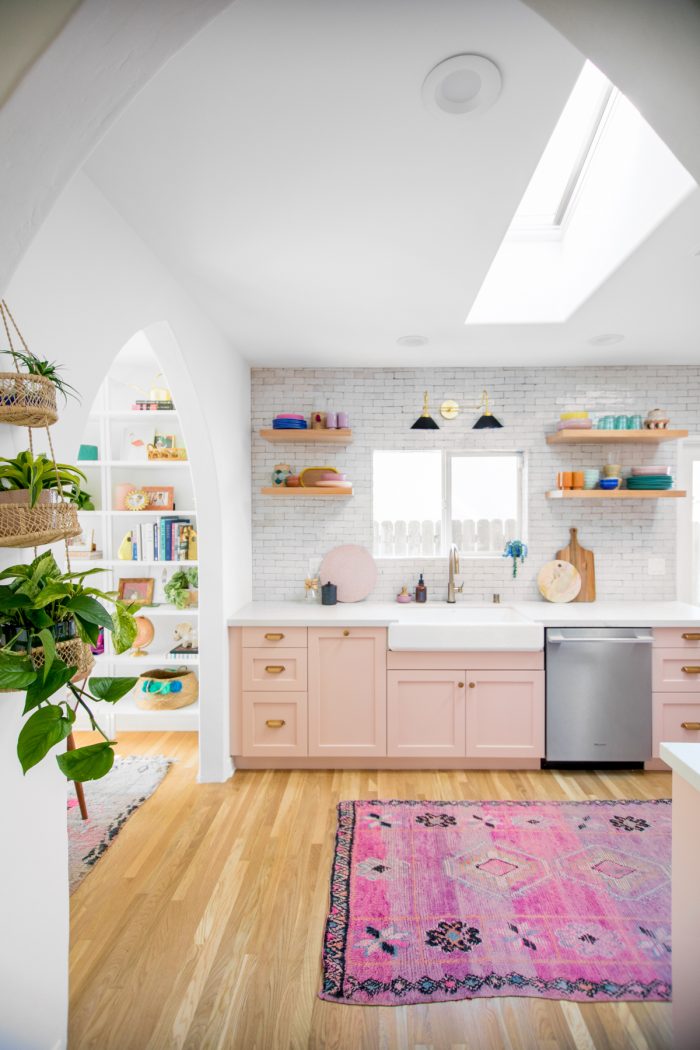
[{"x": 70, "y": 744}]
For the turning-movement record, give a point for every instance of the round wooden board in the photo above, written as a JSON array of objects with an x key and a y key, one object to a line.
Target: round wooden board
[
  {"x": 352, "y": 569},
  {"x": 559, "y": 581}
]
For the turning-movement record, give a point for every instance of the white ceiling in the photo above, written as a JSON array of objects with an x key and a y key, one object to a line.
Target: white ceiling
[{"x": 284, "y": 166}]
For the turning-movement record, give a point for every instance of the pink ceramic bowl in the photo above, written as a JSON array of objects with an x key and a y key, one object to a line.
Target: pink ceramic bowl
[{"x": 330, "y": 475}]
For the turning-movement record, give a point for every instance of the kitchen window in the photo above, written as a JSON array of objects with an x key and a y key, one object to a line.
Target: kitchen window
[{"x": 425, "y": 501}]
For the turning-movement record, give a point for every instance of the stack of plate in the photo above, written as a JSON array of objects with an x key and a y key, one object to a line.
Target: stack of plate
[
  {"x": 650, "y": 478},
  {"x": 289, "y": 421}
]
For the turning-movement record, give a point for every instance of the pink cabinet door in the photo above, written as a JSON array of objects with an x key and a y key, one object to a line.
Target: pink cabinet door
[
  {"x": 347, "y": 691},
  {"x": 425, "y": 714},
  {"x": 505, "y": 714}
]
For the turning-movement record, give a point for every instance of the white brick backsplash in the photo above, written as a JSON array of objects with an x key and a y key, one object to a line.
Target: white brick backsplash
[{"x": 290, "y": 536}]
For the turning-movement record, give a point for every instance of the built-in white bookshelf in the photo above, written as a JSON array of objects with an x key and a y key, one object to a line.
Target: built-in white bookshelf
[{"x": 113, "y": 426}]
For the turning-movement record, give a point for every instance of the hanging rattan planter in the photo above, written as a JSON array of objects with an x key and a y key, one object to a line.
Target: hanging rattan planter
[
  {"x": 73, "y": 652},
  {"x": 27, "y": 400},
  {"x": 52, "y": 519}
]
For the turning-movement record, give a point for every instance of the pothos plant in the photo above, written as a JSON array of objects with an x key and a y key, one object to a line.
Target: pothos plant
[{"x": 39, "y": 606}]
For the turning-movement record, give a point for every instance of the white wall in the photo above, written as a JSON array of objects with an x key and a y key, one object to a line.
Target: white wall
[
  {"x": 34, "y": 880},
  {"x": 87, "y": 284},
  {"x": 383, "y": 404}
]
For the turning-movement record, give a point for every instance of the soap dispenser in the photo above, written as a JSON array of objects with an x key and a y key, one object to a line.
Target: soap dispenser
[{"x": 421, "y": 590}]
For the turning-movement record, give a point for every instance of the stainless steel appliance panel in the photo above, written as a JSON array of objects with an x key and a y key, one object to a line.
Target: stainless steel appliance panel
[{"x": 598, "y": 694}]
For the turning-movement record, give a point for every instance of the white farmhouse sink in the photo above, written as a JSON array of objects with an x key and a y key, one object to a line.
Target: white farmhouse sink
[{"x": 464, "y": 627}]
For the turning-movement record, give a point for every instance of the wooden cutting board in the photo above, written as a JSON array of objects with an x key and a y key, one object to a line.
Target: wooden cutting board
[{"x": 584, "y": 561}]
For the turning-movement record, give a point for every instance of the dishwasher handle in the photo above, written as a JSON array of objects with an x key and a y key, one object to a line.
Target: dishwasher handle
[{"x": 559, "y": 638}]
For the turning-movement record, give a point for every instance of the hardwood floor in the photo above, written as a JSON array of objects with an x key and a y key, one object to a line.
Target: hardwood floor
[{"x": 201, "y": 927}]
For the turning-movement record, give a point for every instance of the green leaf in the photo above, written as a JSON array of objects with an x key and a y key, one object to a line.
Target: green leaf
[
  {"x": 87, "y": 763},
  {"x": 10, "y": 600},
  {"x": 87, "y": 632},
  {"x": 49, "y": 644},
  {"x": 124, "y": 629},
  {"x": 51, "y": 593},
  {"x": 111, "y": 689},
  {"x": 46, "y": 728},
  {"x": 16, "y": 670},
  {"x": 90, "y": 610},
  {"x": 41, "y": 689}
]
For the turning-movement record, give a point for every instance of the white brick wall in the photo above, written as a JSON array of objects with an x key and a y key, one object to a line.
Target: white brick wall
[{"x": 290, "y": 536}]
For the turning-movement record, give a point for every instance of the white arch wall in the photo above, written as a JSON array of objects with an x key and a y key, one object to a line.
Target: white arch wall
[{"x": 86, "y": 285}]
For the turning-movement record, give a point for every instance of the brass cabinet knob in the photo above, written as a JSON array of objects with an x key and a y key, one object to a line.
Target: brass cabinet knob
[
  {"x": 346, "y": 633},
  {"x": 461, "y": 685},
  {"x": 690, "y": 670},
  {"x": 695, "y": 726},
  {"x": 690, "y": 636},
  {"x": 275, "y": 668},
  {"x": 272, "y": 637},
  {"x": 275, "y": 723},
  {"x": 472, "y": 685}
]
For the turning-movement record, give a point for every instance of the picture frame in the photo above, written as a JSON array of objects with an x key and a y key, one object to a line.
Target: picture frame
[
  {"x": 137, "y": 589},
  {"x": 160, "y": 497}
]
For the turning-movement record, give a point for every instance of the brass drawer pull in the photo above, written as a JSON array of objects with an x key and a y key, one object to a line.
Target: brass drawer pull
[
  {"x": 275, "y": 723},
  {"x": 274, "y": 637},
  {"x": 691, "y": 637},
  {"x": 461, "y": 685},
  {"x": 275, "y": 668},
  {"x": 690, "y": 670},
  {"x": 472, "y": 685},
  {"x": 690, "y": 725},
  {"x": 346, "y": 633}
]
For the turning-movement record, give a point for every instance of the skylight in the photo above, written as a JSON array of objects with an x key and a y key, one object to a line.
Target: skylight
[{"x": 563, "y": 162}]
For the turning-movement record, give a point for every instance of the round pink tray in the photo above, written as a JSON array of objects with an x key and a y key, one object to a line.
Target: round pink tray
[{"x": 352, "y": 569}]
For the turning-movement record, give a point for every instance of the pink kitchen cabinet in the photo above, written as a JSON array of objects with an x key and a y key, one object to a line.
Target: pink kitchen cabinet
[
  {"x": 347, "y": 691},
  {"x": 505, "y": 714},
  {"x": 426, "y": 714}
]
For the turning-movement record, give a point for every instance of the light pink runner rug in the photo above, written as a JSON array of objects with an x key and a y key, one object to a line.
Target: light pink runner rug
[{"x": 451, "y": 900}]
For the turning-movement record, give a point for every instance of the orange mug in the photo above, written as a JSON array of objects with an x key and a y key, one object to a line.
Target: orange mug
[
  {"x": 564, "y": 479},
  {"x": 577, "y": 479}
]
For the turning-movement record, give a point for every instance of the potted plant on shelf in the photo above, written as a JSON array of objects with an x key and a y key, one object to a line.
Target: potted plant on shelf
[
  {"x": 181, "y": 588},
  {"x": 48, "y": 620},
  {"x": 39, "y": 500}
]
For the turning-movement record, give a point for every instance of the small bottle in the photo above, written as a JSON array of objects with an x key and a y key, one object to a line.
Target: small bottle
[{"x": 421, "y": 590}]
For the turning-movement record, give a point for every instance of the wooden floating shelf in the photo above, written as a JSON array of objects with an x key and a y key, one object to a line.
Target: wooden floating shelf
[
  {"x": 616, "y": 494},
  {"x": 579, "y": 436},
  {"x": 307, "y": 437},
  {"x": 282, "y": 490}
]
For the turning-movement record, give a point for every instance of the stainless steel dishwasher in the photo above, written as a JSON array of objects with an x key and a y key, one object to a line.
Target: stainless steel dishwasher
[{"x": 598, "y": 694}]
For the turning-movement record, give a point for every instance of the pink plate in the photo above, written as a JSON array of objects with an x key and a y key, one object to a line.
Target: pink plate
[
  {"x": 352, "y": 569},
  {"x": 289, "y": 415}
]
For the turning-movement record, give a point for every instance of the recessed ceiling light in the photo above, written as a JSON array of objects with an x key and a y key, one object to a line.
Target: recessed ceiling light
[
  {"x": 606, "y": 339},
  {"x": 412, "y": 340},
  {"x": 462, "y": 84}
]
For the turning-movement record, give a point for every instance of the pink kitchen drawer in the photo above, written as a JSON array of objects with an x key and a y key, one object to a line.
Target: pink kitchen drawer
[
  {"x": 281, "y": 670},
  {"x": 676, "y": 719},
  {"x": 274, "y": 637},
  {"x": 675, "y": 671},
  {"x": 677, "y": 638},
  {"x": 274, "y": 725}
]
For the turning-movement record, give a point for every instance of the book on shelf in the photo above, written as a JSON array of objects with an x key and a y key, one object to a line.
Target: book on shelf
[
  {"x": 181, "y": 652},
  {"x": 168, "y": 539},
  {"x": 153, "y": 406},
  {"x": 86, "y": 555}
]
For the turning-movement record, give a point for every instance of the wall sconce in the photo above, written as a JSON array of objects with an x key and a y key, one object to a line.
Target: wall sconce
[
  {"x": 425, "y": 421},
  {"x": 486, "y": 419}
]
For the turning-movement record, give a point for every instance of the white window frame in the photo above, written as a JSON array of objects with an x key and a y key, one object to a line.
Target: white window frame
[
  {"x": 447, "y": 457},
  {"x": 688, "y": 452}
]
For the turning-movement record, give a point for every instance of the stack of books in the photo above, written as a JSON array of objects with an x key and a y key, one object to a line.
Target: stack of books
[
  {"x": 181, "y": 652},
  {"x": 168, "y": 539},
  {"x": 153, "y": 406}
]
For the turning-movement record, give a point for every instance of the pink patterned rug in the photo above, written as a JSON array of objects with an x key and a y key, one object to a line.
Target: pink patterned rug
[{"x": 432, "y": 901}]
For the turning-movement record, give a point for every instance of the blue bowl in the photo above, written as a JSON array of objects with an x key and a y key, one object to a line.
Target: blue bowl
[{"x": 609, "y": 483}]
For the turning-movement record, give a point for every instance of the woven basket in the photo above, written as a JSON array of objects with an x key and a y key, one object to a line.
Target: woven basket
[
  {"x": 24, "y": 526},
  {"x": 73, "y": 652},
  {"x": 27, "y": 400},
  {"x": 154, "y": 691}
]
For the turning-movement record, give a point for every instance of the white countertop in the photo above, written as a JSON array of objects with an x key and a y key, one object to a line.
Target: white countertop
[
  {"x": 380, "y": 614},
  {"x": 683, "y": 759}
]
